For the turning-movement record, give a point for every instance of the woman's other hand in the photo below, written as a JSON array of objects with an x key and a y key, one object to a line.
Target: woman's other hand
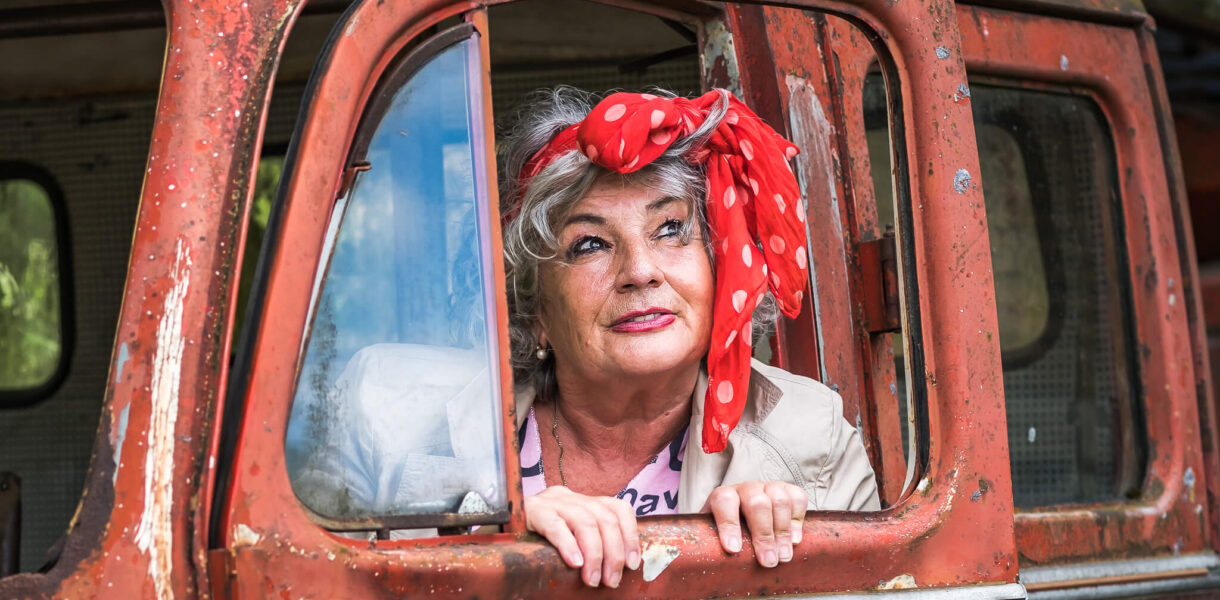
[
  {"x": 774, "y": 512},
  {"x": 596, "y": 534}
]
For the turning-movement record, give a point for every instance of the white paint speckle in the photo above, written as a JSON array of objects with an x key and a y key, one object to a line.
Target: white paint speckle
[
  {"x": 1063, "y": 62},
  {"x": 1172, "y": 299},
  {"x": 942, "y": 52}
]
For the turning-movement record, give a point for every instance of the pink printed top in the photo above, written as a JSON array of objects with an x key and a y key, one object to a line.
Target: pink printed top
[{"x": 653, "y": 491}]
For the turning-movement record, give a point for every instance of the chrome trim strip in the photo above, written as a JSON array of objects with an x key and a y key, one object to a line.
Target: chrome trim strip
[
  {"x": 1097, "y": 570},
  {"x": 1004, "y": 591}
]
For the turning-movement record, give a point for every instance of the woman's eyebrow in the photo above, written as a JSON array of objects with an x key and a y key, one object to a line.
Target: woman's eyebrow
[
  {"x": 660, "y": 203},
  {"x": 584, "y": 218}
]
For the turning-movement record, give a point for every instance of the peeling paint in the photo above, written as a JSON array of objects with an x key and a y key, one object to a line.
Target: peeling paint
[
  {"x": 124, "y": 356},
  {"x": 244, "y": 536},
  {"x": 962, "y": 92},
  {"x": 961, "y": 181},
  {"x": 121, "y": 428},
  {"x": 901, "y": 582},
  {"x": 942, "y": 52},
  {"x": 1188, "y": 479},
  {"x": 719, "y": 52},
  {"x": 812, "y": 131},
  {"x": 656, "y": 557},
  {"x": 155, "y": 532},
  {"x": 1063, "y": 62}
]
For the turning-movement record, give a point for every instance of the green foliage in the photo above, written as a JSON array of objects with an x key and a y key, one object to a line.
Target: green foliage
[
  {"x": 265, "y": 183},
  {"x": 30, "y": 337}
]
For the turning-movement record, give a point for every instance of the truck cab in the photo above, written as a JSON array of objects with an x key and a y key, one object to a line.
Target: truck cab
[{"x": 1004, "y": 291}]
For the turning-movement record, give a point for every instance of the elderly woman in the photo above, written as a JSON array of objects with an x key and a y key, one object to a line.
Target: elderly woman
[{"x": 640, "y": 237}]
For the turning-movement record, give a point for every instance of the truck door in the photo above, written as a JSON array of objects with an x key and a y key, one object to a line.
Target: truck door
[
  {"x": 384, "y": 250},
  {"x": 1071, "y": 113},
  {"x": 1110, "y": 420}
]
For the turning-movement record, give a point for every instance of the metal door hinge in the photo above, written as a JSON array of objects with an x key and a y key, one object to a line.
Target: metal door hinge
[
  {"x": 879, "y": 278},
  {"x": 221, "y": 573}
]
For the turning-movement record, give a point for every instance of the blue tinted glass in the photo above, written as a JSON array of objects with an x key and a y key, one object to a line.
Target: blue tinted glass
[{"x": 396, "y": 410}]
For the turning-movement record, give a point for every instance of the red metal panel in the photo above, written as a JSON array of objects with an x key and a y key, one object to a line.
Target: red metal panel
[
  {"x": 140, "y": 529},
  {"x": 853, "y": 56},
  {"x": 1192, "y": 286},
  {"x": 956, "y": 530},
  {"x": 836, "y": 230},
  {"x": 1173, "y": 514}
]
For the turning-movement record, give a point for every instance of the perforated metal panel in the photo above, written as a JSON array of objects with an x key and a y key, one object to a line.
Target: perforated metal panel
[{"x": 510, "y": 86}]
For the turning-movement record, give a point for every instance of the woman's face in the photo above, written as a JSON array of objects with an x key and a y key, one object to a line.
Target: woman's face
[{"x": 627, "y": 295}]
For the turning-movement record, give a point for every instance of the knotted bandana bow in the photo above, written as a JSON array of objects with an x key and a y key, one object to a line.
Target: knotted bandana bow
[{"x": 754, "y": 211}]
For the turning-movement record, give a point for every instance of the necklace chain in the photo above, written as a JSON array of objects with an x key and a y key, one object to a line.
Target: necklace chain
[{"x": 555, "y": 434}]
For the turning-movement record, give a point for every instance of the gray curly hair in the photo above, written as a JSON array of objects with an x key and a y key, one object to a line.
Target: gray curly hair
[{"x": 531, "y": 238}]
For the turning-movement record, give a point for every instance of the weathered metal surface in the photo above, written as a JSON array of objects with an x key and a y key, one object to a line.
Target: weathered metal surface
[
  {"x": 853, "y": 56},
  {"x": 138, "y": 531},
  {"x": 1173, "y": 513},
  {"x": 1180, "y": 196},
  {"x": 10, "y": 522},
  {"x": 957, "y": 530},
  {"x": 1104, "y": 11}
]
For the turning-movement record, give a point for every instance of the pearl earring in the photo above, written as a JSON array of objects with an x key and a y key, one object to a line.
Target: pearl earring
[{"x": 542, "y": 353}]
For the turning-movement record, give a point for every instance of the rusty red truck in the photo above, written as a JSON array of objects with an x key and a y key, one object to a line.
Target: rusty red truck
[{"x": 1004, "y": 289}]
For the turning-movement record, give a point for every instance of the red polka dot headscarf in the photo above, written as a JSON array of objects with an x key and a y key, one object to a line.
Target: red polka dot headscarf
[{"x": 754, "y": 211}]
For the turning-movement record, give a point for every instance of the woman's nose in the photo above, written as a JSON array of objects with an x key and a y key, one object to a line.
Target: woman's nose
[{"x": 637, "y": 267}]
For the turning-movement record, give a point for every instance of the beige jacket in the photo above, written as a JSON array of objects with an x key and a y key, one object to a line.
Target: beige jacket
[{"x": 803, "y": 440}]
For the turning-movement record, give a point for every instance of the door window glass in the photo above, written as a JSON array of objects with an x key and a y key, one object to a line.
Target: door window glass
[
  {"x": 31, "y": 338},
  {"x": 1056, "y": 231},
  {"x": 397, "y": 404}
]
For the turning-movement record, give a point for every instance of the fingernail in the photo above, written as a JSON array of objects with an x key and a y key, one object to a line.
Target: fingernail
[
  {"x": 595, "y": 578},
  {"x": 769, "y": 559},
  {"x": 633, "y": 560},
  {"x": 613, "y": 580},
  {"x": 797, "y": 532},
  {"x": 734, "y": 543},
  {"x": 578, "y": 559},
  {"x": 785, "y": 553}
]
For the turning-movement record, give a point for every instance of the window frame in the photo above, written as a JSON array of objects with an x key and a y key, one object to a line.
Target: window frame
[
  {"x": 402, "y": 69},
  {"x": 259, "y": 516},
  {"x": 29, "y": 396},
  {"x": 1173, "y": 514}
]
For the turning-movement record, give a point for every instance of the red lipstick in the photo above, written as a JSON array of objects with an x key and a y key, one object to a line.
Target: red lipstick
[{"x": 640, "y": 321}]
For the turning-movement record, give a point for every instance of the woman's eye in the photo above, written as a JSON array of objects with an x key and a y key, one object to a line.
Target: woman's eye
[
  {"x": 586, "y": 245},
  {"x": 670, "y": 228}
]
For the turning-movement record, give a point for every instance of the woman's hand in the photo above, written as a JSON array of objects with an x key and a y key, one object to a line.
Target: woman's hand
[
  {"x": 596, "y": 534},
  {"x": 774, "y": 512}
]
